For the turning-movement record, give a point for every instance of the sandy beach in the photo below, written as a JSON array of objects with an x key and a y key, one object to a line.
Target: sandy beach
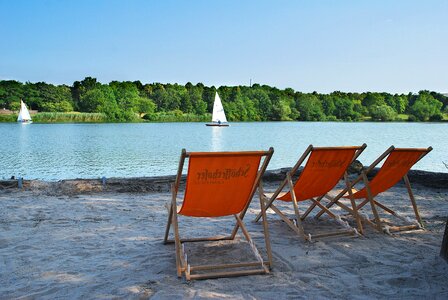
[{"x": 108, "y": 244}]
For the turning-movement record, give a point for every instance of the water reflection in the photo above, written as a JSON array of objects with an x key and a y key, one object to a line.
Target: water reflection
[{"x": 217, "y": 138}]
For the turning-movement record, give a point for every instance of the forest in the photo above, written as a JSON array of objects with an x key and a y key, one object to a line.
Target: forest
[{"x": 126, "y": 101}]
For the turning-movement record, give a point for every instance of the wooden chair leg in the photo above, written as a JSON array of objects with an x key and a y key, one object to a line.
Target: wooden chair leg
[
  {"x": 326, "y": 210},
  {"x": 265, "y": 224},
  {"x": 312, "y": 206},
  {"x": 168, "y": 225},
  {"x": 372, "y": 203},
  {"x": 272, "y": 199},
  {"x": 296, "y": 208},
  {"x": 411, "y": 196},
  {"x": 361, "y": 205},
  {"x": 288, "y": 222},
  {"x": 352, "y": 201},
  {"x": 177, "y": 242}
]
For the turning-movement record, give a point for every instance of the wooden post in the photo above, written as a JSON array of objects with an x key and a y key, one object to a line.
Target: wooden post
[{"x": 444, "y": 250}]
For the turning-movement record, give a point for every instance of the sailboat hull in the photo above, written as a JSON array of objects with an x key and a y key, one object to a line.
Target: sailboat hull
[{"x": 217, "y": 124}]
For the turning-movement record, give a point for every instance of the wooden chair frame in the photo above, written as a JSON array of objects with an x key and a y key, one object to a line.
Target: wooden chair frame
[
  {"x": 376, "y": 223},
  {"x": 182, "y": 265},
  {"x": 297, "y": 225}
]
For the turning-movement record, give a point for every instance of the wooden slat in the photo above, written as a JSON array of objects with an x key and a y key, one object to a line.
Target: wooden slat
[
  {"x": 341, "y": 147},
  {"x": 203, "y": 239},
  {"x": 414, "y": 149},
  {"x": 403, "y": 228},
  {"x": 226, "y": 266},
  {"x": 227, "y": 153},
  {"x": 330, "y": 234},
  {"x": 228, "y": 274}
]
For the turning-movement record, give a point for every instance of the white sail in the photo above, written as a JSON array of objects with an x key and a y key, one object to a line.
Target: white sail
[
  {"x": 24, "y": 114},
  {"x": 219, "y": 115}
]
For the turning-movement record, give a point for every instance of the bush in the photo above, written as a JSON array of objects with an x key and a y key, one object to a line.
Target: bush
[
  {"x": 412, "y": 118},
  {"x": 331, "y": 119},
  {"x": 383, "y": 113},
  {"x": 436, "y": 118},
  {"x": 425, "y": 107}
]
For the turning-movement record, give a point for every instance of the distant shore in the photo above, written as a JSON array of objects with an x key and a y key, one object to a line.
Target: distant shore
[{"x": 167, "y": 117}]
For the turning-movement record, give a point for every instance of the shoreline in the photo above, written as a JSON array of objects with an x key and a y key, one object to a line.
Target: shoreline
[
  {"x": 157, "y": 184},
  {"x": 232, "y": 122}
]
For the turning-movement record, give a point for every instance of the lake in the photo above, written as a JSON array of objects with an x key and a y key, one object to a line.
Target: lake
[{"x": 66, "y": 151}]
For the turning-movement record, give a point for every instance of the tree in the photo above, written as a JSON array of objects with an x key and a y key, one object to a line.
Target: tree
[
  {"x": 310, "y": 108},
  {"x": 373, "y": 99},
  {"x": 94, "y": 100},
  {"x": 126, "y": 95},
  {"x": 48, "y": 97},
  {"x": 78, "y": 90},
  {"x": 11, "y": 91},
  {"x": 425, "y": 107},
  {"x": 126, "y": 100},
  {"x": 383, "y": 113},
  {"x": 328, "y": 105},
  {"x": 199, "y": 105},
  {"x": 145, "y": 106},
  {"x": 262, "y": 103},
  {"x": 343, "y": 109},
  {"x": 398, "y": 102}
]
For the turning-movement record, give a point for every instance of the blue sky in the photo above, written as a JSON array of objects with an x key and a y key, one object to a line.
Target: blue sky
[{"x": 381, "y": 45}]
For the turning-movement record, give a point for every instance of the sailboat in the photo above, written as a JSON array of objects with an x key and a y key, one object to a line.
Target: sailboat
[
  {"x": 24, "y": 114},
  {"x": 218, "y": 116}
]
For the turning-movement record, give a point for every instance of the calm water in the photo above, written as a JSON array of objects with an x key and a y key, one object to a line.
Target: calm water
[{"x": 62, "y": 151}]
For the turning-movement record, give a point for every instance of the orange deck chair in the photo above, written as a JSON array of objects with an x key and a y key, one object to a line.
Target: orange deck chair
[
  {"x": 219, "y": 184},
  {"x": 323, "y": 170},
  {"x": 398, "y": 162}
]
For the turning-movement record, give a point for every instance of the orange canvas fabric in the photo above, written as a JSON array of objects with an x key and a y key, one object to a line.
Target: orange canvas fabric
[
  {"x": 397, "y": 164},
  {"x": 322, "y": 172},
  {"x": 219, "y": 184}
]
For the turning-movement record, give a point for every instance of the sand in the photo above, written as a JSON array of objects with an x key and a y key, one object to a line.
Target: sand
[{"x": 107, "y": 245}]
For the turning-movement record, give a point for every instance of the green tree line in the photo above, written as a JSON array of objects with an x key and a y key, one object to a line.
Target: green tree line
[{"x": 132, "y": 101}]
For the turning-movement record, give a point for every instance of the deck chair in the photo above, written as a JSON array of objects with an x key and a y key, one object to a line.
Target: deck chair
[
  {"x": 323, "y": 170},
  {"x": 397, "y": 163},
  {"x": 219, "y": 184}
]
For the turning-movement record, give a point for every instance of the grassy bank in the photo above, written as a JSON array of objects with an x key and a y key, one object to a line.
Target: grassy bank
[
  {"x": 77, "y": 117},
  {"x": 72, "y": 117},
  {"x": 59, "y": 117},
  {"x": 8, "y": 118},
  {"x": 176, "y": 116},
  {"x": 159, "y": 117}
]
